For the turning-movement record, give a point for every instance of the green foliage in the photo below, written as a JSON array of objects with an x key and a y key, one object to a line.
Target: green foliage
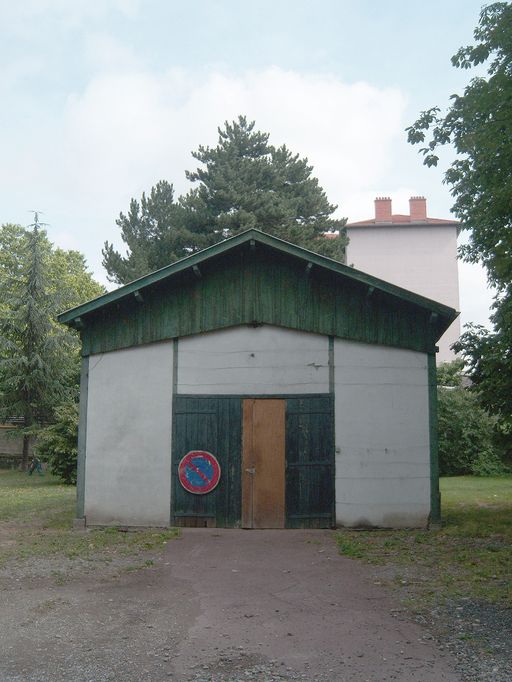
[
  {"x": 488, "y": 356},
  {"x": 247, "y": 183},
  {"x": 450, "y": 374},
  {"x": 57, "y": 444},
  {"x": 156, "y": 232},
  {"x": 467, "y": 435},
  {"x": 32, "y": 374},
  {"x": 244, "y": 182},
  {"x": 478, "y": 124},
  {"x": 469, "y": 439},
  {"x": 39, "y": 365},
  {"x": 66, "y": 275}
]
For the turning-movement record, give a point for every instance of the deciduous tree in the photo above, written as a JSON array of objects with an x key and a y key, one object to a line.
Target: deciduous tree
[{"x": 478, "y": 125}]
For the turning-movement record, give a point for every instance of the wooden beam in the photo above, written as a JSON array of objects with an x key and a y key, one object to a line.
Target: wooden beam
[{"x": 138, "y": 296}]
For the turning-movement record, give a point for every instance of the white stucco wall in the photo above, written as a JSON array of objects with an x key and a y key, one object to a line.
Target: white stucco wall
[
  {"x": 422, "y": 259},
  {"x": 128, "y": 437},
  {"x": 253, "y": 361},
  {"x": 382, "y": 470},
  {"x": 382, "y": 436}
]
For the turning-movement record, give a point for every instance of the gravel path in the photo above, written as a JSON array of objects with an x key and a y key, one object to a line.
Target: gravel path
[
  {"x": 478, "y": 635},
  {"x": 231, "y": 606}
]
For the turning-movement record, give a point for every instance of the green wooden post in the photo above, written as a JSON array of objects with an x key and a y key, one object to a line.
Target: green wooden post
[
  {"x": 82, "y": 435},
  {"x": 435, "y": 495}
]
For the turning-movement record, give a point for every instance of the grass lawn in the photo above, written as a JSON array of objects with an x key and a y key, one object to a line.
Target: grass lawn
[
  {"x": 469, "y": 556},
  {"x": 36, "y": 515}
]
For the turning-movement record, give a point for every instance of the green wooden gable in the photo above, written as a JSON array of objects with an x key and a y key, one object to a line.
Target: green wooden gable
[{"x": 254, "y": 279}]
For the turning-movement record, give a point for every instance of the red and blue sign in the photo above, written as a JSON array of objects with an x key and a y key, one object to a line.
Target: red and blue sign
[{"x": 199, "y": 472}]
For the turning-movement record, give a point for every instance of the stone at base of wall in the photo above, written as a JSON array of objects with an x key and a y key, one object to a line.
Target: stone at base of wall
[{"x": 79, "y": 524}]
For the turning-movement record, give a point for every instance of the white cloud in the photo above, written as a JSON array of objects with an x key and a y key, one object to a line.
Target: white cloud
[{"x": 129, "y": 129}]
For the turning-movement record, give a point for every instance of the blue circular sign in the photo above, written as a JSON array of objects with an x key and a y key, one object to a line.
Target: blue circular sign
[{"x": 199, "y": 472}]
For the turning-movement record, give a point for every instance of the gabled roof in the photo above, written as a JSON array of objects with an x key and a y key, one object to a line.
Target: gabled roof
[{"x": 73, "y": 316}]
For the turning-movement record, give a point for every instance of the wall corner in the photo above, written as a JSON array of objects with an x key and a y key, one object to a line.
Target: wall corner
[
  {"x": 435, "y": 495},
  {"x": 82, "y": 437}
]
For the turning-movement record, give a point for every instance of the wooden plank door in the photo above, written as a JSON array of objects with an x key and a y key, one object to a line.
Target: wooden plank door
[
  {"x": 212, "y": 424},
  {"x": 263, "y": 463},
  {"x": 310, "y": 462}
]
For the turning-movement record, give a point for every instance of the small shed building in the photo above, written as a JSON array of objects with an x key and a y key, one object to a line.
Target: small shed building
[{"x": 256, "y": 384}]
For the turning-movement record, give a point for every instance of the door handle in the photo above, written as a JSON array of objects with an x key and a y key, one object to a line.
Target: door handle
[{"x": 252, "y": 470}]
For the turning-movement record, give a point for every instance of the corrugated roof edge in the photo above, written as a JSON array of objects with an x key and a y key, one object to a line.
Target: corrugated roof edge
[{"x": 68, "y": 316}]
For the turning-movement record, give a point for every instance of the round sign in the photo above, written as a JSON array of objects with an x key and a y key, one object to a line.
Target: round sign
[{"x": 199, "y": 472}]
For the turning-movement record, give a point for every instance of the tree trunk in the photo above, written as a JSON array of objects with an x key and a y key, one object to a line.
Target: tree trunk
[
  {"x": 25, "y": 453},
  {"x": 28, "y": 421}
]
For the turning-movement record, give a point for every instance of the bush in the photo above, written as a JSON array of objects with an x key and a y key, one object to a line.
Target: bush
[
  {"x": 57, "y": 444},
  {"x": 467, "y": 435}
]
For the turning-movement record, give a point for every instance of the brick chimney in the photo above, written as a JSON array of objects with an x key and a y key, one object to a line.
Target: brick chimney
[
  {"x": 417, "y": 209},
  {"x": 383, "y": 210}
]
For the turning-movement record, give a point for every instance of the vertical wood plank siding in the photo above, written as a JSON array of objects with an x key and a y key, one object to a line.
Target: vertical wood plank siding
[
  {"x": 310, "y": 462},
  {"x": 211, "y": 424},
  {"x": 214, "y": 423},
  {"x": 263, "y": 286}
]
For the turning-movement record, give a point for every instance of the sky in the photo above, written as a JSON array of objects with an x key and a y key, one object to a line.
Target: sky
[{"x": 101, "y": 99}]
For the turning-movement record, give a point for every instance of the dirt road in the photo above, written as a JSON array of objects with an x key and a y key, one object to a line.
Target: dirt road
[{"x": 219, "y": 605}]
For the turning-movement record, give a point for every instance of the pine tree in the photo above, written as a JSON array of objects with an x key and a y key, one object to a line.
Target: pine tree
[
  {"x": 34, "y": 369},
  {"x": 245, "y": 182},
  {"x": 156, "y": 234}
]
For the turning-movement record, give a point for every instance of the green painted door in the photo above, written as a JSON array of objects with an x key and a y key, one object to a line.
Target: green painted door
[
  {"x": 310, "y": 462},
  {"x": 212, "y": 424}
]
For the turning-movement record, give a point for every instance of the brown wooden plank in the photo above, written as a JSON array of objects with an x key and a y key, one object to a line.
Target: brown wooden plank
[{"x": 263, "y": 492}]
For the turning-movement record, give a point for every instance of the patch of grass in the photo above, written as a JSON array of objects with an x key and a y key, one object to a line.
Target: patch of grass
[
  {"x": 36, "y": 516},
  {"x": 25, "y": 498},
  {"x": 469, "y": 556},
  {"x": 349, "y": 547}
]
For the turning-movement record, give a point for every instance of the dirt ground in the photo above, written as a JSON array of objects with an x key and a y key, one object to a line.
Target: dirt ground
[{"x": 216, "y": 606}]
